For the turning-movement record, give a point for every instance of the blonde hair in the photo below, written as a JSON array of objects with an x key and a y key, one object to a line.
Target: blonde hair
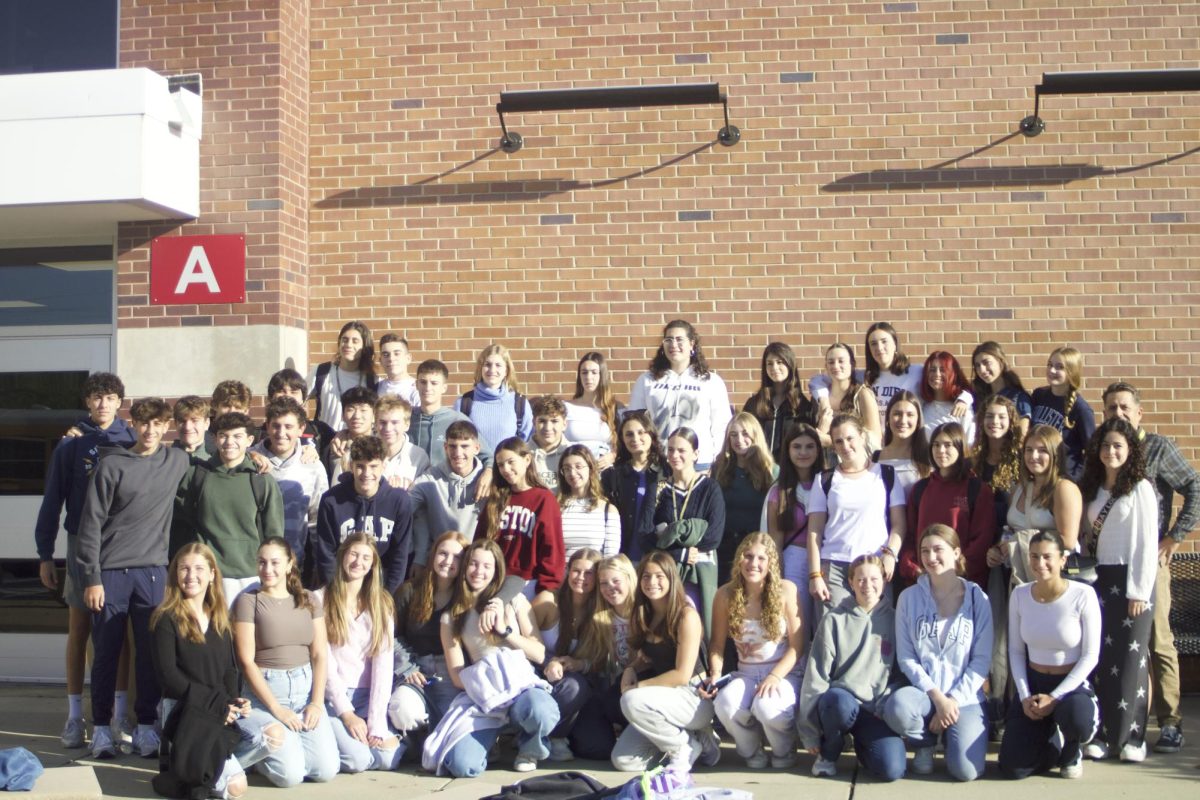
[
  {"x": 950, "y": 537},
  {"x": 759, "y": 460},
  {"x": 1073, "y": 361},
  {"x": 1053, "y": 440},
  {"x": 510, "y": 375},
  {"x": 372, "y": 599},
  {"x": 174, "y": 604},
  {"x": 596, "y": 639},
  {"x": 771, "y": 618}
]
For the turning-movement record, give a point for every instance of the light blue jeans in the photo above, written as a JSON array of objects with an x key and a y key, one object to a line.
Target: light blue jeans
[
  {"x": 307, "y": 754},
  {"x": 354, "y": 755},
  {"x": 535, "y": 714},
  {"x": 908, "y": 712}
]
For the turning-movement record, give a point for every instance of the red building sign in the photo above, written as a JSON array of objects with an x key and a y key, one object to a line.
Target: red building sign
[{"x": 195, "y": 270}]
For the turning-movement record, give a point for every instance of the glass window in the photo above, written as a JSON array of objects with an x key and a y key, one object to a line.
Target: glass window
[
  {"x": 36, "y": 408},
  {"x": 56, "y": 286},
  {"x": 57, "y": 35}
]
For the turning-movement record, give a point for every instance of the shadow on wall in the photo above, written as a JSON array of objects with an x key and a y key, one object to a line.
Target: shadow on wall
[
  {"x": 428, "y": 191},
  {"x": 947, "y": 176}
]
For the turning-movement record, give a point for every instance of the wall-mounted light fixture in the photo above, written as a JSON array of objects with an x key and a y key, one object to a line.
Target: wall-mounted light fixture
[
  {"x": 1137, "y": 80},
  {"x": 684, "y": 94}
]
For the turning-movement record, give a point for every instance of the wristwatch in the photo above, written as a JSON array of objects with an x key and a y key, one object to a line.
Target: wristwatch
[{"x": 507, "y": 632}]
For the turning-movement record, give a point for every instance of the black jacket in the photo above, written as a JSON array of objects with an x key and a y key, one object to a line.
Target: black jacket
[{"x": 620, "y": 484}]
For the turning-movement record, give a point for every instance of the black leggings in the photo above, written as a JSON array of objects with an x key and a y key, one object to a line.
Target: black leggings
[{"x": 1030, "y": 745}]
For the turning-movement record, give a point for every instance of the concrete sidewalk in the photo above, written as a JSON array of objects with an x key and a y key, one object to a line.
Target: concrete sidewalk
[{"x": 32, "y": 716}]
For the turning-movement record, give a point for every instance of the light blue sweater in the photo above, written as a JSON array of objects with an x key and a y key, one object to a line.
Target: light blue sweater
[
  {"x": 494, "y": 414},
  {"x": 958, "y": 668}
]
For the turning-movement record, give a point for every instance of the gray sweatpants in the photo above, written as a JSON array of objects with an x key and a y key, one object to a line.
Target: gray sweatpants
[{"x": 661, "y": 720}]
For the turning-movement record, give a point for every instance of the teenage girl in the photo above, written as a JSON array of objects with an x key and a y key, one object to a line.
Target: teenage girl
[
  {"x": 1060, "y": 405},
  {"x": 994, "y": 377},
  {"x": 943, "y": 383},
  {"x": 779, "y": 401},
  {"x": 848, "y": 395},
  {"x": 588, "y": 519},
  {"x": 495, "y": 404},
  {"x": 905, "y": 445},
  {"x": 352, "y": 366},
  {"x": 631, "y": 483},
  {"x": 745, "y": 470},
  {"x": 593, "y": 411}
]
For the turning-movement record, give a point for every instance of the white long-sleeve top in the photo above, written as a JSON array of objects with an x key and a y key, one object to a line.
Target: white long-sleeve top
[
  {"x": 598, "y": 528},
  {"x": 683, "y": 400},
  {"x": 1129, "y": 536},
  {"x": 1061, "y": 632}
]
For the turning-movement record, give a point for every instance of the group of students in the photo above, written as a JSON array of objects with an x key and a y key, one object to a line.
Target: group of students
[{"x": 606, "y": 580}]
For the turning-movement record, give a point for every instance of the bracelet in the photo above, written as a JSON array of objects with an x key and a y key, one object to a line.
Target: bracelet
[
  {"x": 886, "y": 551},
  {"x": 812, "y": 576}
]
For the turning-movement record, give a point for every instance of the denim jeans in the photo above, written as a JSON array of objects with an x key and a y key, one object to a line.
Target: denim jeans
[
  {"x": 354, "y": 755},
  {"x": 878, "y": 748},
  {"x": 304, "y": 754},
  {"x": 908, "y": 712},
  {"x": 535, "y": 714}
]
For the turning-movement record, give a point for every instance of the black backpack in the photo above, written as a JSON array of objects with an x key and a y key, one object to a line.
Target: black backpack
[
  {"x": 323, "y": 370},
  {"x": 886, "y": 471}
]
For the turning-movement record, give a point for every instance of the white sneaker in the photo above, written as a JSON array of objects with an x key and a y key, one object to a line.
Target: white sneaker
[
  {"x": 73, "y": 733},
  {"x": 783, "y": 760},
  {"x": 145, "y": 741},
  {"x": 1134, "y": 753},
  {"x": 1074, "y": 769},
  {"x": 524, "y": 764},
  {"x": 710, "y": 747},
  {"x": 1096, "y": 751},
  {"x": 824, "y": 769},
  {"x": 758, "y": 759},
  {"x": 103, "y": 744},
  {"x": 560, "y": 750},
  {"x": 923, "y": 761},
  {"x": 122, "y": 730}
]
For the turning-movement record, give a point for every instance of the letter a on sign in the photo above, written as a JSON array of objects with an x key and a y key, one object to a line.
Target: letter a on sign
[{"x": 197, "y": 270}]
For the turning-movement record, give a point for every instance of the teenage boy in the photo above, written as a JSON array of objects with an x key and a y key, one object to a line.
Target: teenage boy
[
  {"x": 122, "y": 560},
  {"x": 432, "y": 419},
  {"x": 193, "y": 416},
  {"x": 228, "y": 396},
  {"x": 549, "y": 422},
  {"x": 395, "y": 357},
  {"x": 73, "y": 462},
  {"x": 229, "y": 506},
  {"x": 362, "y": 501},
  {"x": 301, "y": 485},
  {"x": 1170, "y": 472},
  {"x": 403, "y": 461},
  {"x": 444, "y": 498},
  {"x": 358, "y": 418},
  {"x": 290, "y": 383}
]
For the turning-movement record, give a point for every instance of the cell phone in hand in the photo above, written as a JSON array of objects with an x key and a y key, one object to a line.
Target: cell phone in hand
[{"x": 720, "y": 683}]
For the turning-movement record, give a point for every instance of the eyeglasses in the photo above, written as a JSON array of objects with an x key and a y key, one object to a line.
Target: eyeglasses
[{"x": 679, "y": 340}]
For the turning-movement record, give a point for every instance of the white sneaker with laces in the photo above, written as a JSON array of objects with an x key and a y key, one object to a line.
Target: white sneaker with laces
[
  {"x": 145, "y": 741},
  {"x": 103, "y": 744},
  {"x": 74, "y": 733},
  {"x": 1135, "y": 753},
  {"x": 923, "y": 761},
  {"x": 824, "y": 769}
]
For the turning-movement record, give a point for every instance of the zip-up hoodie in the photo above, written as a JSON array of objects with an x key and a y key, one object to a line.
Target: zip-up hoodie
[
  {"x": 127, "y": 509},
  {"x": 72, "y": 464},
  {"x": 387, "y": 516},
  {"x": 224, "y": 513},
  {"x": 959, "y": 668},
  {"x": 675, "y": 401},
  {"x": 495, "y": 415},
  {"x": 443, "y": 501},
  {"x": 428, "y": 432},
  {"x": 853, "y": 650}
]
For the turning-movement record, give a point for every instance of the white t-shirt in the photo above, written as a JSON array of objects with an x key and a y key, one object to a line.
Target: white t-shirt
[
  {"x": 856, "y": 513},
  {"x": 938, "y": 412},
  {"x": 405, "y": 389},
  {"x": 587, "y": 427}
]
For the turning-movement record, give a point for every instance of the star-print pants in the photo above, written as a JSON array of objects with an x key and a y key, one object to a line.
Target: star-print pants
[{"x": 1123, "y": 675}]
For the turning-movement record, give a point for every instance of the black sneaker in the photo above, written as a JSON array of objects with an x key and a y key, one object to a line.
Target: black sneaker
[{"x": 1170, "y": 740}]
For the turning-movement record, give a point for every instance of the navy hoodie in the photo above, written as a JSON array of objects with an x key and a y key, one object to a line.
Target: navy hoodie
[
  {"x": 71, "y": 465},
  {"x": 387, "y": 516}
]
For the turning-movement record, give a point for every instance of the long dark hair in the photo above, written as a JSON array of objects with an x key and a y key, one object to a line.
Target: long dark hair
[
  {"x": 793, "y": 395},
  {"x": 606, "y": 401},
  {"x": 640, "y": 628},
  {"x": 1011, "y": 379},
  {"x": 899, "y": 362},
  {"x": 366, "y": 356},
  {"x": 655, "y": 459},
  {"x": 920, "y": 442},
  {"x": 1131, "y": 472},
  {"x": 789, "y": 478},
  {"x": 852, "y": 390},
  {"x": 660, "y": 364},
  {"x": 501, "y": 491},
  {"x": 295, "y": 588},
  {"x": 570, "y": 628}
]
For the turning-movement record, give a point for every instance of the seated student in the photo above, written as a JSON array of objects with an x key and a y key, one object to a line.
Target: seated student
[
  {"x": 444, "y": 498},
  {"x": 229, "y": 506},
  {"x": 363, "y": 501},
  {"x": 481, "y": 627},
  {"x": 667, "y": 715},
  {"x": 549, "y": 422},
  {"x": 944, "y": 644},
  {"x": 523, "y": 518},
  {"x": 290, "y": 383},
  {"x": 301, "y": 484},
  {"x": 403, "y": 461},
  {"x": 395, "y": 358},
  {"x": 121, "y": 555},
  {"x": 848, "y": 679},
  {"x": 423, "y": 689},
  {"x": 432, "y": 419},
  {"x": 1053, "y": 646},
  {"x": 358, "y": 624},
  {"x": 760, "y": 612},
  {"x": 279, "y": 638},
  {"x": 193, "y": 657},
  {"x": 358, "y": 418},
  {"x": 354, "y": 365},
  {"x": 228, "y": 396},
  {"x": 495, "y": 404},
  {"x": 72, "y": 464}
]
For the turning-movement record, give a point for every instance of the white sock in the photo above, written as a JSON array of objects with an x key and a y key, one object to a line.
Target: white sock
[
  {"x": 120, "y": 705},
  {"x": 75, "y": 706}
]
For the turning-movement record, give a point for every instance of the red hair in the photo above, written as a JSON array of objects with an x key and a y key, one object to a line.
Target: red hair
[{"x": 956, "y": 380}]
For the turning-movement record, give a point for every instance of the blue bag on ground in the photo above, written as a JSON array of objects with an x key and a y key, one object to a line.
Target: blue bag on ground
[{"x": 19, "y": 769}]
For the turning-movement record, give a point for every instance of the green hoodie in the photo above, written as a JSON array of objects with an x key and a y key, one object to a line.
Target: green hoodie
[{"x": 222, "y": 509}]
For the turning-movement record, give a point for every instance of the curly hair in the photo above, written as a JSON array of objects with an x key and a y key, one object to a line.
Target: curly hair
[
  {"x": 771, "y": 618},
  {"x": 660, "y": 364},
  {"x": 1131, "y": 472},
  {"x": 1008, "y": 471}
]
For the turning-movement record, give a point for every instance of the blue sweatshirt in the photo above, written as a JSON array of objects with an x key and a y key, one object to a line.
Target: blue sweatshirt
[
  {"x": 71, "y": 465},
  {"x": 387, "y": 516},
  {"x": 494, "y": 413},
  {"x": 959, "y": 667}
]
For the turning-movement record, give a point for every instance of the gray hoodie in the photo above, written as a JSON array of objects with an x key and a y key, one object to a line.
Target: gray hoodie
[
  {"x": 853, "y": 650},
  {"x": 443, "y": 501},
  {"x": 428, "y": 432},
  {"x": 126, "y": 519}
]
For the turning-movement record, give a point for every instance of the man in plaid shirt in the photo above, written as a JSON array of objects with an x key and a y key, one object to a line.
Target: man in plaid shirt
[{"x": 1170, "y": 473}]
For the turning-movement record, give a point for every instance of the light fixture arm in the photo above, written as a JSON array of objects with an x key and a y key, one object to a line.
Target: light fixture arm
[{"x": 1135, "y": 80}]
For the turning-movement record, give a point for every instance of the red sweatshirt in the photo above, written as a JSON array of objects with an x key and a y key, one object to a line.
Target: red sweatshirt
[
  {"x": 530, "y": 536},
  {"x": 946, "y": 502}
]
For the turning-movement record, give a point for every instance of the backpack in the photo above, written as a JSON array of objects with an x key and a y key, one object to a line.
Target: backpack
[
  {"x": 323, "y": 370},
  {"x": 518, "y": 406},
  {"x": 886, "y": 471},
  {"x": 974, "y": 487},
  {"x": 258, "y": 485}
]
